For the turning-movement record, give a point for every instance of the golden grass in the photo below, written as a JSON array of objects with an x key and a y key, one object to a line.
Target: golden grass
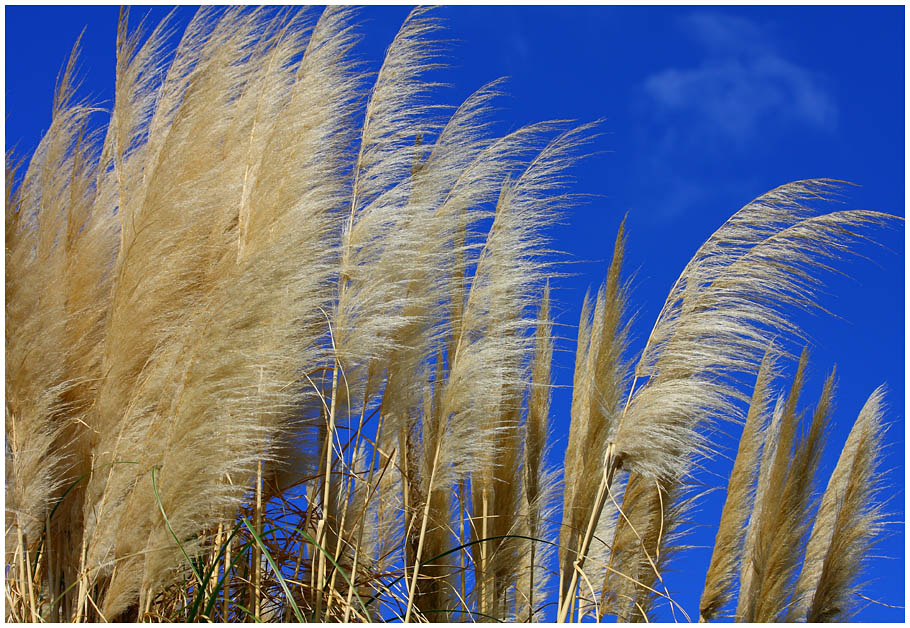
[{"x": 279, "y": 344}]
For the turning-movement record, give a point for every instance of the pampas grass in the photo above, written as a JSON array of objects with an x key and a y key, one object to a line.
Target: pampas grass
[
  {"x": 731, "y": 530},
  {"x": 279, "y": 346}
]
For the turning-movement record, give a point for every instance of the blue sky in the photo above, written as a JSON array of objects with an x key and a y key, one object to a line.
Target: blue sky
[{"x": 703, "y": 109}]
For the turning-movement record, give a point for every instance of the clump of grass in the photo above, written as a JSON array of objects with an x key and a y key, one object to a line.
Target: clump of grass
[{"x": 272, "y": 355}]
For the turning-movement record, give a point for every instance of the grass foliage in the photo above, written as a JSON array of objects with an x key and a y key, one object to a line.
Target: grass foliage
[{"x": 278, "y": 348}]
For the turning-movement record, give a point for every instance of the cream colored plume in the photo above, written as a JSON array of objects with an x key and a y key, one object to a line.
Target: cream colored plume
[
  {"x": 741, "y": 284},
  {"x": 599, "y": 388},
  {"x": 219, "y": 295},
  {"x": 846, "y": 524},
  {"x": 731, "y": 531}
]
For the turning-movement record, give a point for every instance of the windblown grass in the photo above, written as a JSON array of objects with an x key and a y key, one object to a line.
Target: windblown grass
[{"x": 279, "y": 344}]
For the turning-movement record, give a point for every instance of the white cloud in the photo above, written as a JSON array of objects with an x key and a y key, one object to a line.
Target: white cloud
[{"x": 743, "y": 84}]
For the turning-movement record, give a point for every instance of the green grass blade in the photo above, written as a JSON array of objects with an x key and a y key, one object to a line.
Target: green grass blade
[
  {"x": 171, "y": 530},
  {"x": 65, "y": 591},
  {"x": 310, "y": 539},
  {"x": 247, "y": 611},
  {"x": 208, "y": 575},
  {"x": 278, "y": 574},
  {"x": 218, "y": 586}
]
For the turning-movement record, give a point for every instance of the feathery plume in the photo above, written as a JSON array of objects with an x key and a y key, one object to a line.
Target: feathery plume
[
  {"x": 846, "y": 524},
  {"x": 776, "y": 453},
  {"x": 731, "y": 531},
  {"x": 752, "y": 560},
  {"x": 790, "y": 522},
  {"x": 537, "y": 485},
  {"x": 598, "y": 391},
  {"x": 226, "y": 321},
  {"x": 377, "y": 235},
  {"x": 244, "y": 280},
  {"x": 715, "y": 321},
  {"x": 58, "y": 252}
]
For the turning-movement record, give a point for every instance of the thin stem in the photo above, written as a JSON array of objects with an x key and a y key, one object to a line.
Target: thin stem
[
  {"x": 362, "y": 523},
  {"x": 83, "y": 584},
  {"x": 462, "y": 491},
  {"x": 531, "y": 581},
  {"x": 25, "y": 573},
  {"x": 227, "y": 581},
  {"x": 257, "y": 553},
  {"x": 51, "y": 569},
  {"x": 326, "y": 506},
  {"x": 483, "y": 549},
  {"x": 347, "y": 496},
  {"x": 412, "y": 592},
  {"x": 611, "y": 464}
]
